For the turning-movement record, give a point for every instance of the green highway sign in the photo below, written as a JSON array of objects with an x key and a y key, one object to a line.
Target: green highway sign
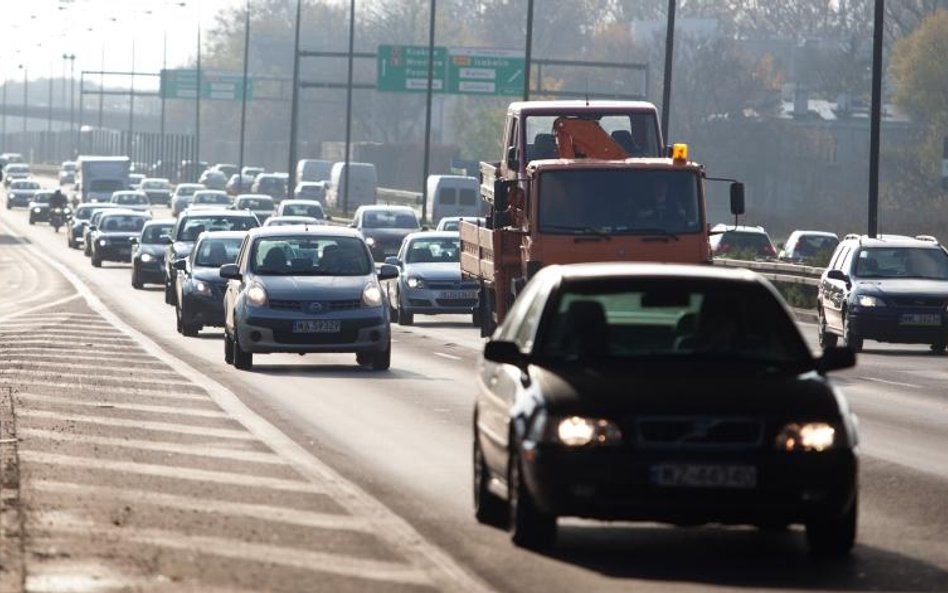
[
  {"x": 458, "y": 71},
  {"x": 485, "y": 72},
  {"x": 222, "y": 86},
  {"x": 404, "y": 68}
]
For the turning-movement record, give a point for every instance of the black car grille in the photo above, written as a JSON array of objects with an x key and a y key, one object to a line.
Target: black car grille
[
  {"x": 697, "y": 432},
  {"x": 343, "y": 337},
  {"x": 934, "y": 302},
  {"x": 452, "y": 285},
  {"x": 456, "y": 302},
  {"x": 326, "y": 306}
]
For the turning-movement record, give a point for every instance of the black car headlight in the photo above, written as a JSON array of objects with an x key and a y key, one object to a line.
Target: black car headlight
[
  {"x": 147, "y": 258},
  {"x": 806, "y": 436},
  {"x": 575, "y": 431},
  {"x": 37, "y": 210},
  {"x": 415, "y": 282},
  {"x": 867, "y": 300},
  {"x": 370, "y": 241},
  {"x": 203, "y": 288},
  {"x": 103, "y": 242}
]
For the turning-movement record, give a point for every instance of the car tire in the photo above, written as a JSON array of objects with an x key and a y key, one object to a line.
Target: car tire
[
  {"x": 170, "y": 296},
  {"x": 833, "y": 537},
  {"x": 242, "y": 360},
  {"x": 827, "y": 338},
  {"x": 529, "y": 528},
  {"x": 405, "y": 317},
  {"x": 189, "y": 330},
  {"x": 938, "y": 347},
  {"x": 853, "y": 342},
  {"x": 489, "y": 508},
  {"x": 136, "y": 281},
  {"x": 86, "y": 250},
  {"x": 228, "y": 348},
  {"x": 32, "y": 220},
  {"x": 96, "y": 260},
  {"x": 382, "y": 361}
]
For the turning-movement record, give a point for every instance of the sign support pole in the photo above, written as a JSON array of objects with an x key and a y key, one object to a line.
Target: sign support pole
[{"x": 428, "y": 97}]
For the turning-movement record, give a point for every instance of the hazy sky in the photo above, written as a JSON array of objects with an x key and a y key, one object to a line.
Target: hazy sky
[{"x": 37, "y": 33}]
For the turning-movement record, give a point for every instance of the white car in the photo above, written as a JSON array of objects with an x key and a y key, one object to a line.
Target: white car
[{"x": 261, "y": 205}]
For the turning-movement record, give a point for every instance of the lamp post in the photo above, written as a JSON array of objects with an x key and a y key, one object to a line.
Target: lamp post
[
  {"x": 295, "y": 103},
  {"x": 197, "y": 105},
  {"x": 243, "y": 98},
  {"x": 669, "y": 55},
  {"x": 72, "y": 96},
  {"x": 3, "y": 130},
  {"x": 131, "y": 105},
  {"x": 26, "y": 94},
  {"x": 428, "y": 96}
]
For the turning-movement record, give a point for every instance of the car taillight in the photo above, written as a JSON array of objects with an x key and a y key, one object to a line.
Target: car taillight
[{"x": 769, "y": 250}]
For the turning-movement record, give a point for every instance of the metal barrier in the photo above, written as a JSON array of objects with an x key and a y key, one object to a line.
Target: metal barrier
[{"x": 776, "y": 271}]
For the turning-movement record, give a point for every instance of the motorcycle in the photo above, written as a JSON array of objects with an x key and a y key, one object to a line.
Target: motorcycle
[{"x": 56, "y": 218}]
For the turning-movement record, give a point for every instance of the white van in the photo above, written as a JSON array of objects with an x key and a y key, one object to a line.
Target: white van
[
  {"x": 453, "y": 195},
  {"x": 313, "y": 170},
  {"x": 363, "y": 188}
]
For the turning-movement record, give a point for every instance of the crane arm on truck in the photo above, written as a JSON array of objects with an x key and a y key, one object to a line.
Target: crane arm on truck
[{"x": 577, "y": 138}]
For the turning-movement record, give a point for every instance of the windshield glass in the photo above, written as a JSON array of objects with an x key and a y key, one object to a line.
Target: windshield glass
[
  {"x": 41, "y": 198},
  {"x": 619, "y": 201},
  {"x": 154, "y": 233},
  {"x": 631, "y": 318},
  {"x": 130, "y": 199},
  {"x": 433, "y": 250},
  {"x": 902, "y": 262},
  {"x": 104, "y": 185},
  {"x": 121, "y": 223},
  {"x": 195, "y": 225},
  {"x": 215, "y": 252},
  {"x": 635, "y": 133},
  {"x": 184, "y": 190},
  {"x": 155, "y": 185},
  {"x": 389, "y": 219},
  {"x": 310, "y": 255},
  {"x": 313, "y": 210},
  {"x": 203, "y": 198},
  {"x": 255, "y": 203},
  {"x": 24, "y": 185}
]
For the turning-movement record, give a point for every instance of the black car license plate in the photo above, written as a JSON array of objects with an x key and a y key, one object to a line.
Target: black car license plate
[
  {"x": 316, "y": 326},
  {"x": 688, "y": 475},
  {"x": 922, "y": 319}
]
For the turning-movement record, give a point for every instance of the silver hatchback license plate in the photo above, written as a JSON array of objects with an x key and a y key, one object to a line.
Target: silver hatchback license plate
[
  {"x": 316, "y": 326},
  {"x": 458, "y": 294},
  {"x": 686, "y": 475},
  {"x": 924, "y": 319}
]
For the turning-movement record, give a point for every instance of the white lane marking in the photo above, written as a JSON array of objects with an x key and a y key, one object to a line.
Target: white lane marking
[
  {"x": 390, "y": 527},
  {"x": 176, "y": 427},
  {"x": 72, "y": 386},
  {"x": 320, "y": 562},
  {"x": 102, "y": 404},
  {"x": 46, "y": 305},
  {"x": 28, "y": 362},
  {"x": 448, "y": 356},
  {"x": 163, "y": 446},
  {"x": 202, "y": 505},
  {"x": 887, "y": 382},
  {"x": 84, "y": 353},
  {"x": 173, "y": 472}
]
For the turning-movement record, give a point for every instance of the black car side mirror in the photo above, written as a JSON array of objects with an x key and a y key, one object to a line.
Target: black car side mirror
[
  {"x": 836, "y": 358},
  {"x": 165, "y": 239},
  {"x": 180, "y": 264},
  {"x": 504, "y": 352},
  {"x": 837, "y": 275},
  {"x": 391, "y": 260},
  {"x": 91, "y": 227},
  {"x": 387, "y": 272},
  {"x": 133, "y": 240},
  {"x": 230, "y": 272}
]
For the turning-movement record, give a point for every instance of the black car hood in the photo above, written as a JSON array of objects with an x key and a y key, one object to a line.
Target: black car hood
[
  {"x": 154, "y": 249},
  {"x": 208, "y": 274},
  {"x": 116, "y": 236},
  {"x": 182, "y": 248},
  {"x": 387, "y": 234},
  {"x": 898, "y": 287},
  {"x": 668, "y": 389}
]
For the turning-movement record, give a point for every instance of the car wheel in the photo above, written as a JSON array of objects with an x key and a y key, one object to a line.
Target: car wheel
[
  {"x": 476, "y": 317},
  {"x": 242, "y": 360},
  {"x": 853, "y": 342},
  {"x": 529, "y": 528},
  {"x": 489, "y": 508},
  {"x": 833, "y": 537},
  {"x": 827, "y": 339},
  {"x": 96, "y": 260},
  {"x": 405, "y": 317},
  {"x": 32, "y": 220},
  {"x": 228, "y": 348},
  {"x": 169, "y": 294},
  {"x": 87, "y": 250},
  {"x": 136, "y": 282},
  {"x": 381, "y": 361},
  {"x": 189, "y": 330},
  {"x": 939, "y": 347}
]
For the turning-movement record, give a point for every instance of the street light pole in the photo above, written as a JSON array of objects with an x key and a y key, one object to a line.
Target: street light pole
[
  {"x": 528, "y": 52},
  {"x": 345, "y": 193},
  {"x": 669, "y": 54},
  {"x": 243, "y": 98},
  {"x": 72, "y": 99},
  {"x": 295, "y": 104},
  {"x": 875, "y": 117},
  {"x": 428, "y": 97},
  {"x": 197, "y": 107},
  {"x": 131, "y": 106},
  {"x": 26, "y": 94}
]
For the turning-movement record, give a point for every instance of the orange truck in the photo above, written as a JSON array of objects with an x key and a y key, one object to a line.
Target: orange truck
[{"x": 583, "y": 181}]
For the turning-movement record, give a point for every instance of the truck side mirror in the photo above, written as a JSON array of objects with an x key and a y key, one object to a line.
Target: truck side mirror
[
  {"x": 512, "y": 162},
  {"x": 501, "y": 192},
  {"x": 737, "y": 198}
]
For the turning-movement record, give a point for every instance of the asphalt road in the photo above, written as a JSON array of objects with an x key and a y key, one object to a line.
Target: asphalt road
[{"x": 146, "y": 462}]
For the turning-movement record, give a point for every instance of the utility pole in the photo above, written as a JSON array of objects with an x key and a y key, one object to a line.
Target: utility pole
[
  {"x": 528, "y": 52},
  {"x": 197, "y": 108},
  {"x": 131, "y": 106},
  {"x": 876, "y": 117},
  {"x": 243, "y": 98},
  {"x": 669, "y": 55},
  {"x": 72, "y": 99},
  {"x": 26, "y": 94},
  {"x": 295, "y": 105},
  {"x": 352, "y": 18},
  {"x": 428, "y": 97}
]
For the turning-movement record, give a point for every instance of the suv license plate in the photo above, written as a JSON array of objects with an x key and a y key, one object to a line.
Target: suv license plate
[
  {"x": 316, "y": 326},
  {"x": 926, "y": 319},
  {"x": 703, "y": 476}
]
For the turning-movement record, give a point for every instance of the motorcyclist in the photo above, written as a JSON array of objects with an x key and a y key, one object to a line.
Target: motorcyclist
[{"x": 57, "y": 200}]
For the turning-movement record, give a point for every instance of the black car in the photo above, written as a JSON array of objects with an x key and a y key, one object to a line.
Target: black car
[
  {"x": 192, "y": 223},
  {"x": 888, "y": 289},
  {"x": 200, "y": 296},
  {"x": 39, "y": 206},
  {"x": 384, "y": 227},
  {"x": 640, "y": 392},
  {"x": 20, "y": 192},
  {"x": 157, "y": 189},
  {"x": 111, "y": 238},
  {"x": 148, "y": 252},
  {"x": 98, "y": 210}
]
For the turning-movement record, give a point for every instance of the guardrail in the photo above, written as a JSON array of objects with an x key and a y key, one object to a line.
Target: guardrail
[{"x": 777, "y": 271}]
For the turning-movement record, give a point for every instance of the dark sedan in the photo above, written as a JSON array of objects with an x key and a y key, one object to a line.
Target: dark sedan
[
  {"x": 148, "y": 252},
  {"x": 200, "y": 288},
  {"x": 157, "y": 189},
  {"x": 384, "y": 228},
  {"x": 20, "y": 192},
  {"x": 111, "y": 239},
  {"x": 640, "y": 392},
  {"x": 39, "y": 206}
]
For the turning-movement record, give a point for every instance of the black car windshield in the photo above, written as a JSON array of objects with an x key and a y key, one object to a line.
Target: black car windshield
[
  {"x": 24, "y": 185},
  {"x": 41, "y": 198},
  {"x": 193, "y": 226},
  {"x": 314, "y": 210},
  {"x": 902, "y": 262},
  {"x": 424, "y": 250},
  {"x": 389, "y": 219},
  {"x": 215, "y": 252},
  {"x": 120, "y": 223},
  {"x": 102, "y": 185},
  {"x": 256, "y": 203},
  {"x": 619, "y": 201},
  {"x": 692, "y": 318},
  {"x": 156, "y": 185},
  {"x": 153, "y": 233},
  {"x": 310, "y": 255},
  {"x": 130, "y": 199},
  {"x": 214, "y": 198}
]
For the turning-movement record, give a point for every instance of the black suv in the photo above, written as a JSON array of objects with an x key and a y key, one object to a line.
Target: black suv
[
  {"x": 192, "y": 223},
  {"x": 888, "y": 289}
]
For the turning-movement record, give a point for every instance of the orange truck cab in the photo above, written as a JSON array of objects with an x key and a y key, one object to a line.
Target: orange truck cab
[{"x": 604, "y": 192}]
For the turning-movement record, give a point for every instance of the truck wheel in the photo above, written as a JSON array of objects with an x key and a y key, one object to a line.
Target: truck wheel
[{"x": 488, "y": 321}]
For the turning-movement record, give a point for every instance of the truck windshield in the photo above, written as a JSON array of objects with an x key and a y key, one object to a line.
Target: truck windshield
[
  {"x": 636, "y": 133},
  {"x": 104, "y": 185},
  {"x": 618, "y": 201}
]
